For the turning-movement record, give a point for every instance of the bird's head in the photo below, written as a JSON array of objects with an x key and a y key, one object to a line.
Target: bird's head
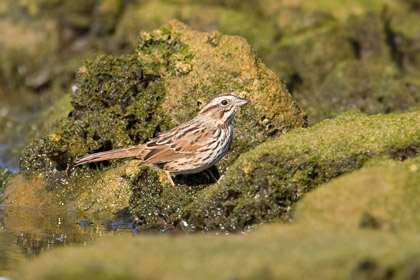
[{"x": 222, "y": 108}]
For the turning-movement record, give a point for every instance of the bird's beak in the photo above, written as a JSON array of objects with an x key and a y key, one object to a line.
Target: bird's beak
[{"x": 240, "y": 101}]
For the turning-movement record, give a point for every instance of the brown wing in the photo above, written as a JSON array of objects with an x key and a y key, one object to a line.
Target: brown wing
[
  {"x": 174, "y": 150},
  {"x": 177, "y": 143}
]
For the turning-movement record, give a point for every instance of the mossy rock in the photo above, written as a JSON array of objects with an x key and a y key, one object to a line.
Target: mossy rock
[
  {"x": 17, "y": 130},
  {"x": 271, "y": 252},
  {"x": 360, "y": 63},
  {"x": 294, "y": 20},
  {"x": 258, "y": 30},
  {"x": 78, "y": 16},
  {"x": 383, "y": 198},
  {"x": 309, "y": 55},
  {"x": 112, "y": 87},
  {"x": 263, "y": 184},
  {"x": 122, "y": 101},
  {"x": 319, "y": 49},
  {"x": 369, "y": 86},
  {"x": 341, "y": 11},
  {"x": 205, "y": 64},
  {"x": 35, "y": 71},
  {"x": 403, "y": 30}
]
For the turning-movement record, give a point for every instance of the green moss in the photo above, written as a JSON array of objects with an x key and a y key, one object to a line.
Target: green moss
[
  {"x": 403, "y": 29},
  {"x": 271, "y": 252},
  {"x": 113, "y": 108},
  {"x": 199, "y": 65},
  {"x": 161, "y": 52},
  {"x": 312, "y": 61},
  {"x": 383, "y": 197},
  {"x": 341, "y": 11},
  {"x": 263, "y": 184},
  {"x": 35, "y": 71},
  {"x": 115, "y": 105},
  {"x": 360, "y": 63},
  {"x": 97, "y": 16},
  {"x": 158, "y": 204},
  {"x": 51, "y": 117},
  {"x": 372, "y": 87},
  {"x": 122, "y": 101},
  {"x": 305, "y": 58}
]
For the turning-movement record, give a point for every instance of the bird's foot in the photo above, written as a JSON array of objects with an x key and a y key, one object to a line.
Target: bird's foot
[{"x": 170, "y": 178}]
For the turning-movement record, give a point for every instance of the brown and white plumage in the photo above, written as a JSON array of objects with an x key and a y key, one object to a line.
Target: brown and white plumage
[{"x": 190, "y": 147}]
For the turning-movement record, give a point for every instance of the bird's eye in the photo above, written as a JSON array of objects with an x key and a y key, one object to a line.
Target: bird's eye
[{"x": 224, "y": 102}]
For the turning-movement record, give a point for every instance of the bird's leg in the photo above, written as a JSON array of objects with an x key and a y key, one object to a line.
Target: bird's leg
[
  {"x": 209, "y": 176},
  {"x": 170, "y": 178},
  {"x": 212, "y": 175}
]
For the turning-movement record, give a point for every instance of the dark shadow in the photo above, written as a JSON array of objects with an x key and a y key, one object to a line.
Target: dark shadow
[{"x": 208, "y": 176}]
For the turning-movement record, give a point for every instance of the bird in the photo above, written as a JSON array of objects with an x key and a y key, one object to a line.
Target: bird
[{"x": 189, "y": 148}]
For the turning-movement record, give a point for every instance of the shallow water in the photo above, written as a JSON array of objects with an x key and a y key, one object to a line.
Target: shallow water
[
  {"x": 4, "y": 164},
  {"x": 27, "y": 232}
]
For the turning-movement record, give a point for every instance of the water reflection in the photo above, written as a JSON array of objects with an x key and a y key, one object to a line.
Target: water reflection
[
  {"x": 10, "y": 253},
  {"x": 26, "y": 232}
]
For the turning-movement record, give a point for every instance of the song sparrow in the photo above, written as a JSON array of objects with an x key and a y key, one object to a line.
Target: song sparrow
[{"x": 189, "y": 148}]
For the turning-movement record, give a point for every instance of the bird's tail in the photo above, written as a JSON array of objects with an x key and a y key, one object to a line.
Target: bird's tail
[{"x": 135, "y": 151}]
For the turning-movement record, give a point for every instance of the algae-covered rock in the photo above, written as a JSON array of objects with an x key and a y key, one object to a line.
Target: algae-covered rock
[
  {"x": 341, "y": 11},
  {"x": 17, "y": 130},
  {"x": 111, "y": 86},
  {"x": 81, "y": 21},
  {"x": 360, "y": 63},
  {"x": 271, "y": 252},
  {"x": 403, "y": 29},
  {"x": 205, "y": 64},
  {"x": 36, "y": 66},
  {"x": 384, "y": 197},
  {"x": 307, "y": 43},
  {"x": 263, "y": 184},
  {"x": 368, "y": 86},
  {"x": 121, "y": 101}
]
